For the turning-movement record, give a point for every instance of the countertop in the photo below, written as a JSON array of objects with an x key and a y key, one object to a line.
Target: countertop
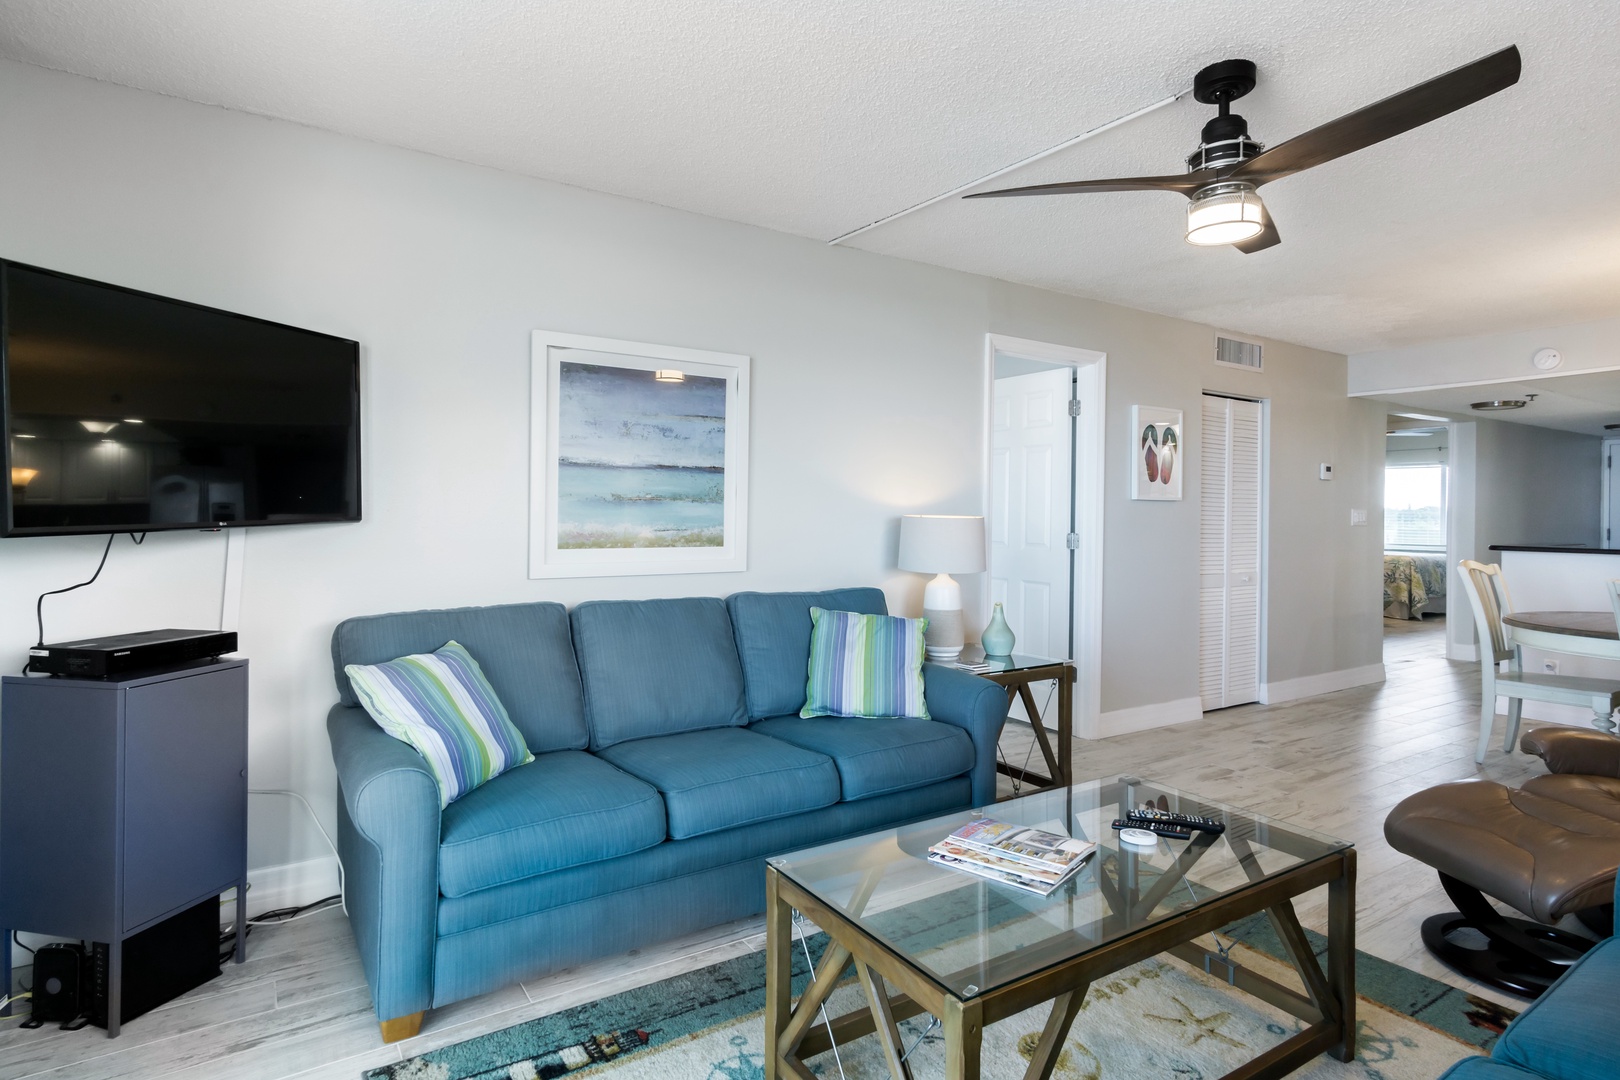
[{"x": 1557, "y": 550}]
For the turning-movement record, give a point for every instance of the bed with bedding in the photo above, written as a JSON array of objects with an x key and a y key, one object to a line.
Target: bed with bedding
[{"x": 1414, "y": 585}]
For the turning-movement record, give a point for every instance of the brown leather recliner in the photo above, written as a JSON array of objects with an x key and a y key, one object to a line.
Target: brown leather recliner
[{"x": 1548, "y": 848}]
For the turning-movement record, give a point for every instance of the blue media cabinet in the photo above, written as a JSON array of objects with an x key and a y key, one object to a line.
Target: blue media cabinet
[{"x": 123, "y": 801}]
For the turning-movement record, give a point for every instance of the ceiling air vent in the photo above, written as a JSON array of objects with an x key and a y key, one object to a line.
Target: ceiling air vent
[{"x": 1232, "y": 353}]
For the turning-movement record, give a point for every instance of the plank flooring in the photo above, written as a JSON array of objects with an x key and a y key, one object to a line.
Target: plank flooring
[{"x": 299, "y": 1008}]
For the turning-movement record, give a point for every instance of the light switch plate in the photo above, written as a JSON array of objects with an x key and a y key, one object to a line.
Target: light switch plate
[
  {"x": 1325, "y": 471},
  {"x": 1358, "y": 517}
]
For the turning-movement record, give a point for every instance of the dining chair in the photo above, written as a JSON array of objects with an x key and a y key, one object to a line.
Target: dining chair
[{"x": 1489, "y": 598}]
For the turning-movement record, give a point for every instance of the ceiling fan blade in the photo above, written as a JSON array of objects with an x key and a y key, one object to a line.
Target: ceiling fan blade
[
  {"x": 1268, "y": 237},
  {"x": 1385, "y": 119},
  {"x": 1185, "y": 183}
]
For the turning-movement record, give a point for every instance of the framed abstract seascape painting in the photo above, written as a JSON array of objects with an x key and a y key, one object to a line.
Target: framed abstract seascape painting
[
  {"x": 638, "y": 458},
  {"x": 1156, "y": 453}
]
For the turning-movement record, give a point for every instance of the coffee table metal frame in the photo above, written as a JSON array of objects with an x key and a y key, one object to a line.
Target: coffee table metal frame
[{"x": 1327, "y": 1006}]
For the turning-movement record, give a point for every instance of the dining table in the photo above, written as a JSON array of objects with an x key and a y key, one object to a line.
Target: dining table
[{"x": 1579, "y": 633}]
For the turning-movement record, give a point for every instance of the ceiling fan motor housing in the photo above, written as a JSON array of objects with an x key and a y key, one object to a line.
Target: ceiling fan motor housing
[{"x": 1225, "y": 139}]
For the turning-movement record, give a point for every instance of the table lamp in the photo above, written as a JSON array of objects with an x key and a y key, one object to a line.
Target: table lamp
[{"x": 942, "y": 545}]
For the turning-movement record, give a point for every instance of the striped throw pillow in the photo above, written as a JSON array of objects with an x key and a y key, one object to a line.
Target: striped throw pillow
[
  {"x": 441, "y": 704},
  {"x": 865, "y": 665}
]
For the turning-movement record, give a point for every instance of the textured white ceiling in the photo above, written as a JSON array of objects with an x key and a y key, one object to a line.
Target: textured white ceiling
[
  {"x": 816, "y": 117},
  {"x": 1583, "y": 403}
]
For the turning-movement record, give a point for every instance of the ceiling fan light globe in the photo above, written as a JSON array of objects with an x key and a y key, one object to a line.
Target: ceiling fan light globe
[{"x": 1225, "y": 214}]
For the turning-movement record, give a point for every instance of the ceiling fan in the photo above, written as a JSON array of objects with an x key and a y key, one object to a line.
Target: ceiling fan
[{"x": 1227, "y": 170}]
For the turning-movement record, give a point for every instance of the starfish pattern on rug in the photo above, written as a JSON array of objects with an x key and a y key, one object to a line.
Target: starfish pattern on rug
[{"x": 1201, "y": 1027}]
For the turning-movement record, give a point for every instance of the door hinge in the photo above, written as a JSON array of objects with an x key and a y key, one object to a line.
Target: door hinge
[
  {"x": 1074, "y": 407},
  {"x": 1073, "y": 541}
]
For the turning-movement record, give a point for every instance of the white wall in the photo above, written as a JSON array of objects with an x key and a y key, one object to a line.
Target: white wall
[
  {"x": 1536, "y": 486},
  {"x": 867, "y": 385}
]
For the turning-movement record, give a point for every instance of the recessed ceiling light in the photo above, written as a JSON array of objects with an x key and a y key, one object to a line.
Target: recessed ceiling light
[
  {"x": 20, "y": 435},
  {"x": 100, "y": 427},
  {"x": 129, "y": 420},
  {"x": 1499, "y": 405}
]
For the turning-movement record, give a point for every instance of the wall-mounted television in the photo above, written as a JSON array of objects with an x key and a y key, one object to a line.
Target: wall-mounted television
[{"x": 129, "y": 412}]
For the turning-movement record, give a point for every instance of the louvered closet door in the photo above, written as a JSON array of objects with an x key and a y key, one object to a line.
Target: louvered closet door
[{"x": 1229, "y": 554}]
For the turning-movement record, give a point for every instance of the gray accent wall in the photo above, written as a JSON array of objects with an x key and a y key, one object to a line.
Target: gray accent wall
[
  {"x": 1535, "y": 486},
  {"x": 867, "y": 403}
]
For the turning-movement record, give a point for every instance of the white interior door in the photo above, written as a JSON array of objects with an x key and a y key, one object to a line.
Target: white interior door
[
  {"x": 1031, "y": 504},
  {"x": 1229, "y": 553}
]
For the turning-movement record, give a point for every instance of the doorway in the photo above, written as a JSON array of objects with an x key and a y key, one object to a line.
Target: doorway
[
  {"x": 1418, "y": 541},
  {"x": 1043, "y": 506}
]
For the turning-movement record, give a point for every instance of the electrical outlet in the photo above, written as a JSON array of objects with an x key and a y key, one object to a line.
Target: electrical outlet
[
  {"x": 1358, "y": 517},
  {"x": 1550, "y": 666}
]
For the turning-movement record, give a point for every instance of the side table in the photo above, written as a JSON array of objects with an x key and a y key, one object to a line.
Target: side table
[
  {"x": 1017, "y": 673},
  {"x": 123, "y": 801}
]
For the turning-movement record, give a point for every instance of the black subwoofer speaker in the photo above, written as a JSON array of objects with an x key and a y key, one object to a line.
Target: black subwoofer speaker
[{"x": 58, "y": 982}]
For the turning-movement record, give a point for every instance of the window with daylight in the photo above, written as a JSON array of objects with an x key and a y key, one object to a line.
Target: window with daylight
[{"x": 1415, "y": 508}]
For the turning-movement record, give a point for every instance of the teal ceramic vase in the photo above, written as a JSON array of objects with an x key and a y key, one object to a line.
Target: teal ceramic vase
[{"x": 997, "y": 638}]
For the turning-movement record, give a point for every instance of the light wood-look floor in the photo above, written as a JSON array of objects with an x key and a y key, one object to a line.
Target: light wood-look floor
[{"x": 1337, "y": 763}]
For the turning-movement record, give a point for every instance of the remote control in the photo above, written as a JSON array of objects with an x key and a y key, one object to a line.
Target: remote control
[
  {"x": 1163, "y": 828},
  {"x": 1186, "y": 821}
]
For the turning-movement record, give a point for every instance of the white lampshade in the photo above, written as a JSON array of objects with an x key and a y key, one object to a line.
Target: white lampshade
[
  {"x": 1225, "y": 214},
  {"x": 942, "y": 544}
]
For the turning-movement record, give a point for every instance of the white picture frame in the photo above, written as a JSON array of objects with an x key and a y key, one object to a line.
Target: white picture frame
[
  {"x": 623, "y": 483},
  {"x": 1153, "y": 430}
]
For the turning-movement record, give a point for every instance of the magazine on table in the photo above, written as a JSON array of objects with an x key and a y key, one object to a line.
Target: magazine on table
[{"x": 1017, "y": 855}]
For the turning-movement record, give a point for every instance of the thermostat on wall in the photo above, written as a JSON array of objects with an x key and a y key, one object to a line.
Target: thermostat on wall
[{"x": 1326, "y": 471}]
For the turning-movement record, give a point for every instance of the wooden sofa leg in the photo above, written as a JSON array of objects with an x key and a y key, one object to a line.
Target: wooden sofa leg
[{"x": 401, "y": 1027}]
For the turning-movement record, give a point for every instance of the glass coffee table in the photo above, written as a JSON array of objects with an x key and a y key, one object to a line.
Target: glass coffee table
[{"x": 972, "y": 952}]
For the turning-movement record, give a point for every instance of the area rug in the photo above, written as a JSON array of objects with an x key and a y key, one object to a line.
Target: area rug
[{"x": 1160, "y": 1018}]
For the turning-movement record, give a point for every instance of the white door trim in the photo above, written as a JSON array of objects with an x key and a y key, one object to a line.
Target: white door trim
[
  {"x": 1091, "y": 370},
  {"x": 1607, "y": 449}
]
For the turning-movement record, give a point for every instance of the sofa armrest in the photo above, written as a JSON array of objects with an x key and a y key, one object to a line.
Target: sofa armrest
[
  {"x": 388, "y": 836},
  {"x": 979, "y": 707},
  {"x": 1574, "y": 750}
]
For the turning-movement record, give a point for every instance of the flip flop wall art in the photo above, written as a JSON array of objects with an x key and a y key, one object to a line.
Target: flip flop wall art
[{"x": 1156, "y": 446}]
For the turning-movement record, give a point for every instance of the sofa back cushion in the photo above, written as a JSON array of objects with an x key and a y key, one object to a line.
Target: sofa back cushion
[
  {"x": 525, "y": 651},
  {"x": 657, "y": 667},
  {"x": 773, "y": 641}
]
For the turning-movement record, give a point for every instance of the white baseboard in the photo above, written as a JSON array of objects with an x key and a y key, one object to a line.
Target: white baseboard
[
  {"x": 1325, "y": 683},
  {"x": 290, "y": 884},
  {"x": 1466, "y": 653},
  {"x": 1145, "y": 717}
]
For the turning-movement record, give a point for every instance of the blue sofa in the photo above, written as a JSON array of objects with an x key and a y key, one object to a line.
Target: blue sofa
[
  {"x": 670, "y": 761},
  {"x": 1568, "y": 1033}
]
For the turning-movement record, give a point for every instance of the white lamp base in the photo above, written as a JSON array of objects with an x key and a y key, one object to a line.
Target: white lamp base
[{"x": 942, "y": 607}]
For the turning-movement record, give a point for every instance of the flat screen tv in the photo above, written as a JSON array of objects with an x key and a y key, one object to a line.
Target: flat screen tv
[{"x": 128, "y": 412}]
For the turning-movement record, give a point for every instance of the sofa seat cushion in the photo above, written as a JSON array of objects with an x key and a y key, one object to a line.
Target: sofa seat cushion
[
  {"x": 1569, "y": 1032},
  {"x": 725, "y": 777},
  {"x": 1484, "y": 1068},
  {"x": 561, "y": 809},
  {"x": 875, "y": 757}
]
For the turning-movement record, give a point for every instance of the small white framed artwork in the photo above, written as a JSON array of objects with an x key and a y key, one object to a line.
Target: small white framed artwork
[
  {"x": 638, "y": 458},
  {"x": 1156, "y": 453}
]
